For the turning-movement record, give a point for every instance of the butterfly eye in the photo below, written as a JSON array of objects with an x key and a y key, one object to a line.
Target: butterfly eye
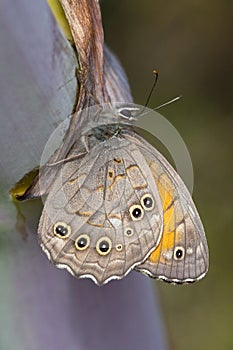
[
  {"x": 126, "y": 113},
  {"x": 136, "y": 212},
  {"x": 128, "y": 231},
  {"x": 82, "y": 242},
  {"x": 130, "y": 113},
  {"x": 179, "y": 253},
  {"x": 104, "y": 246},
  {"x": 61, "y": 229},
  {"x": 147, "y": 201}
]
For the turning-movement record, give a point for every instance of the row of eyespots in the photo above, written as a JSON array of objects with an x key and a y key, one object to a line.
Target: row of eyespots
[
  {"x": 82, "y": 242},
  {"x": 137, "y": 211},
  {"x": 104, "y": 244}
]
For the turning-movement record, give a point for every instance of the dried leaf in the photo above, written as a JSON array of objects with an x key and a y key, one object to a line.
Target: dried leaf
[
  {"x": 101, "y": 79},
  {"x": 85, "y": 22}
]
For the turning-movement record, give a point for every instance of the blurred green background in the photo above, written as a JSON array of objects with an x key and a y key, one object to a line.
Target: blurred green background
[{"x": 190, "y": 44}]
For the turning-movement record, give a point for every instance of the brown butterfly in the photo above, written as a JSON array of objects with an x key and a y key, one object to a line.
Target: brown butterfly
[{"x": 116, "y": 204}]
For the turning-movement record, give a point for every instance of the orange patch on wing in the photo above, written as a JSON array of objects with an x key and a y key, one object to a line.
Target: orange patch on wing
[
  {"x": 167, "y": 194},
  {"x": 168, "y": 236}
]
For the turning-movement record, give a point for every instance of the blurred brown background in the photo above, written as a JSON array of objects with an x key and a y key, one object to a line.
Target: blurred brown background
[{"x": 190, "y": 43}]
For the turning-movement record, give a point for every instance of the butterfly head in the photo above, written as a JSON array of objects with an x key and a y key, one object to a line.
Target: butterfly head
[
  {"x": 118, "y": 114},
  {"x": 114, "y": 115},
  {"x": 128, "y": 114}
]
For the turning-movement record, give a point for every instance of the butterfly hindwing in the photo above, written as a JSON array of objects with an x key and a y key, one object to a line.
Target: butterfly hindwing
[{"x": 182, "y": 253}]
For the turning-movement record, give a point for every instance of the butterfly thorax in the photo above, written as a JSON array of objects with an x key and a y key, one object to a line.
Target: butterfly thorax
[
  {"x": 103, "y": 133},
  {"x": 107, "y": 122}
]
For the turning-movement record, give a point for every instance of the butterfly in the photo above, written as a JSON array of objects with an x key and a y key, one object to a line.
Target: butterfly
[{"x": 116, "y": 204}]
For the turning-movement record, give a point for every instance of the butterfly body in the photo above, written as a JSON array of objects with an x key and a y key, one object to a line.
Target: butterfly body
[{"x": 121, "y": 206}]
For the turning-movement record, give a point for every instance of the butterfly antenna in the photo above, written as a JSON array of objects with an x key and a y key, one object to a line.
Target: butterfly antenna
[
  {"x": 156, "y": 74},
  {"x": 177, "y": 98}
]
